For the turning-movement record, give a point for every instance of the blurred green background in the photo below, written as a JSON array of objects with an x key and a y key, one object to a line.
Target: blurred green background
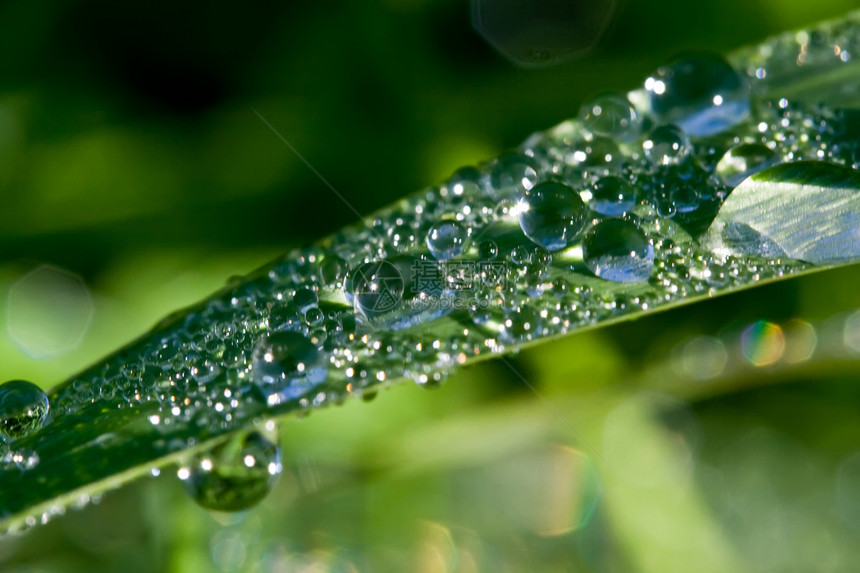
[{"x": 132, "y": 165}]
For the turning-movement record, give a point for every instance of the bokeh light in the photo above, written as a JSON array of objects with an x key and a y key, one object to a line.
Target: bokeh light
[{"x": 48, "y": 311}]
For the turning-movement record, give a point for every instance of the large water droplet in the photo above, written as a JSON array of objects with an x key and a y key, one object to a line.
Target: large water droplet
[
  {"x": 552, "y": 215},
  {"x": 741, "y": 161},
  {"x": 806, "y": 210},
  {"x": 286, "y": 365},
  {"x": 666, "y": 145},
  {"x": 235, "y": 475},
  {"x": 612, "y": 196},
  {"x": 611, "y": 115},
  {"x": 701, "y": 93},
  {"x": 617, "y": 251},
  {"x": 447, "y": 239},
  {"x": 23, "y": 408}
]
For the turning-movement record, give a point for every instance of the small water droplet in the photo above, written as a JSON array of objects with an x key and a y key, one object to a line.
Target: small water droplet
[
  {"x": 617, "y": 251},
  {"x": 447, "y": 239},
  {"x": 552, "y": 215},
  {"x": 235, "y": 475},
  {"x": 286, "y": 365},
  {"x": 512, "y": 174},
  {"x": 305, "y": 298},
  {"x": 611, "y": 115},
  {"x": 23, "y": 408},
  {"x": 488, "y": 250},
  {"x": 666, "y": 145},
  {"x": 701, "y": 93},
  {"x": 741, "y": 161},
  {"x": 612, "y": 196}
]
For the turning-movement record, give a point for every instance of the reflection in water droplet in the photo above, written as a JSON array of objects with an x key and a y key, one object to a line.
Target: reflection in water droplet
[
  {"x": 447, "y": 239},
  {"x": 612, "y": 196},
  {"x": 286, "y": 365},
  {"x": 762, "y": 343},
  {"x": 552, "y": 215},
  {"x": 702, "y": 94},
  {"x": 666, "y": 145},
  {"x": 741, "y": 161},
  {"x": 23, "y": 408},
  {"x": 235, "y": 475},
  {"x": 611, "y": 115},
  {"x": 617, "y": 251}
]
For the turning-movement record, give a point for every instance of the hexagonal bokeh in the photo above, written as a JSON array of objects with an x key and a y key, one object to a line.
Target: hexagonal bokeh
[
  {"x": 48, "y": 311},
  {"x": 539, "y": 33}
]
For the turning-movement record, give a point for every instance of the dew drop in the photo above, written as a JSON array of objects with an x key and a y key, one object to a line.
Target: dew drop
[
  {"x": 612, "y": 196},
  {"x": 286, "y": 365},
  {"x": 235, "y": 475},
  {"x": 466, "y": 181},
  {"x": 447, "y": 239},
  {"x": 617, "y": 251},
  {"x": 23, "y": 408},
  {"x": 305, "y": 298},
  {"x": 552, "y": 215},
  {"x": 19, "y": 459},
  {"x": 488, "y": 250},
  {"x": 666, "y": 145},
  {"x": 741, "y": 161},
  {"x": 611, "y": 115},
  {"x": 701, "y": 93},
  {"x": 512, "y": 174}
]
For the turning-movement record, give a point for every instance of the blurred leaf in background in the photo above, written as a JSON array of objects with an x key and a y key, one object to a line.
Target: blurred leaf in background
[{"x": 130, "y": 161}]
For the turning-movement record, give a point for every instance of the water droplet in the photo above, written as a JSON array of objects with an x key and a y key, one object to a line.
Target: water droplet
[
  {"x": 552, "y": 215},
  {"x": 611, "y": 115},
  {"x": 512, "y": 174},
  {"x": 666, "y": 145},
  {"x": 617, "y": 251},
  {"x": 741, "y": 161},
  {"x": 612, "y": 196},
  {"x": 23, "y": 408},
  {"x": 305, "y": 298},
  {"x": 701, "y": 93},
  {"x": 466, "y": 181},
  {"x": 286, "y": 365},
  {"x": 22, "y": 460},
  {"x": 488, "y": 250},
  {"x": 447, "y": 239},
  {"x": 235, "y": 475}
]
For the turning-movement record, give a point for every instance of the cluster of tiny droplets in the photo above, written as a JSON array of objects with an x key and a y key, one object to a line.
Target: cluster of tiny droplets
[{"x": 590, "y": 220}]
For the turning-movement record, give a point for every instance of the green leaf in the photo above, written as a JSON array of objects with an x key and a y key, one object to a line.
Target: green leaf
[
  {"x": 461, "y": 272},
  {"x": 806, "y": 210}
]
